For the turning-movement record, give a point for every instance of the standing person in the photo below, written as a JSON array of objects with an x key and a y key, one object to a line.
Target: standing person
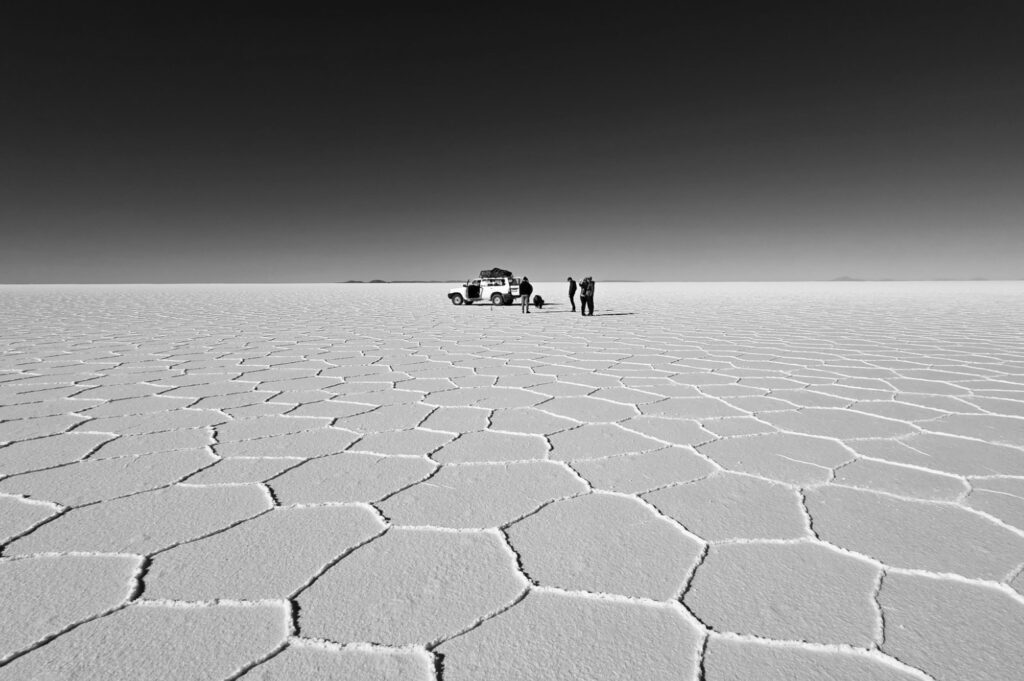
[
  {"x": 525, "y": 289},
  {"x": 572, "y": 293},
  {"x": 587, "y": 296}
]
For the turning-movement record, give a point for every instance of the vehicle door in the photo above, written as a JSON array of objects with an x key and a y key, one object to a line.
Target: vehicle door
[
  {"x": 473, "y": 289},
  {"x": 513, "y": 286}
]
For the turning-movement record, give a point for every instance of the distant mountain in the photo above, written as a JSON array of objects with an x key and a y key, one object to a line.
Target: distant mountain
[{"x": 847, "y": 279}]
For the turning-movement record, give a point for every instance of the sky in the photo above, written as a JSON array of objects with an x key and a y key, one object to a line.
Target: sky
[{"x": 715, "y": 142}]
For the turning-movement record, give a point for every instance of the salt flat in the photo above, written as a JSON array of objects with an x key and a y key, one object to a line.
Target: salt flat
[{"x": 702, "y": 481}]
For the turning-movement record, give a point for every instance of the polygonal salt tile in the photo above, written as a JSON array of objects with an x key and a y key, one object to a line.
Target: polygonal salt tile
[
  {"x": 588, "y": 409},
  {"x": 137, "y": 405},
  {"x": 349, "y": 477},
  {"x": 145, "y": 522},
  {"x": 737, "y": 425},
  {"x": 462, "y": 377},
  {"x": 703, "y": 379},
  {"x": 491, "y": 446},
  {"x": 307, "y": 444},
  {"x": 838, "y": 423},
  {"x": 213, "y": 388},
  {"x": 88, "y": 481},
  {"x": 1006, "y": 507},
  {"x": 46, "y": 452},
  {"x": 696, "y": 408},
  {"x": 313, "y": 662},
  {"x": 457, "y": 419},
  {"x": 801, "y": 592},
  {"x": 529, "y": 420},
  {"x": 960, "y": 455},
  {"x": 1006, "y": 430},
  {"x": 752, "y": 404},
  {"x": 256, "y": 410},
  {"x": 18, "y": 515},
  {"x": 46, "y": 408},
  {"x": 1004, "y": 407},
  {"x": 740, "y": 660},
  {"x": 562, "y": 389},
  {"x": 951, "y": 629},
  {"x": 299, "y": 397},
  {"x": 135, "y": 445},
  {"x": 730, "y": 506},
  {"x": 666, "y": 388},
  {"x": 487, "y": 397},
  {"x": 169, "y": 643},
  {"x": 411, "y": 586},
  {"x": 117, "y": 392},
  {"x": 914, "y": 534},
  {"x": 23, "y": 429},
  {"x": 392, "y": 417},
  {"x": 941, "y": 402},
  {"x": 897, "y": 410},
  {"x": 797, "y": 459},
  {"x": 281, "y": 374},
  {"x": 413, "y": 442},
  {"x": 236, "y": 401},
  {"x": 426, "y": 385},
  {"x": 295, "y": 543},
  {"x": 673, "y": 431},
  {"x": 153, "y": 423},
  {"x": 1011, "y": 486},
  {"x": 331, "y": 409},
  {"x": 238, "y": 471},
  {"x": 605, "y": 543},
  {"x": 250, "y": 429},
  {"x": 902, "y": 480},
  {"x": 627, "y": 396},
  {"x": 300, "y": 384},
  {"x": 523, "y": 381},
  {"x": 855, "y": 393},
  {"x": 478, "y": 496},
  {"x": 599, "y": 440},
  {"x": 41, "y": 596},
  {"x": 390, "y": 397},
  {"x": 810, "y": 398},
  {"x": 637, "y": 473},
  {"x": 552, "y": 636},
  {"x": 910, "y": 385}
]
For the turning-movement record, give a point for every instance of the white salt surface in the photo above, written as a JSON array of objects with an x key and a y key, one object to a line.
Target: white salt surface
[{"x": 702, "y": 481}]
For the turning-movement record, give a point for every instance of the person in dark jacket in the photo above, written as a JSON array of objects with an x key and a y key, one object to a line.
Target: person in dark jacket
[
  {"x": 587, "y": 297},
  {"x": 525, "y": 290},
  {"x": 572, "y": 293}
]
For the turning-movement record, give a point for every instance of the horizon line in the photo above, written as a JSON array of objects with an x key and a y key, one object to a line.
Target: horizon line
[{"x": 840, "y": 280}]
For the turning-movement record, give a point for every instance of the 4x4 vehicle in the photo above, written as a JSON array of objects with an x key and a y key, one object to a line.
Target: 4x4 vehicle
[{"x": 500, "y": 290}]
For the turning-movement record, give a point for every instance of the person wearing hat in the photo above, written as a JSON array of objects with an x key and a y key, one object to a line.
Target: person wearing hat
[{"x": 572, "y": 293}]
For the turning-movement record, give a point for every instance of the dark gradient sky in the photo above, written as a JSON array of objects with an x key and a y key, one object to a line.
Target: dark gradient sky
[{"x": 876, "y": 141}]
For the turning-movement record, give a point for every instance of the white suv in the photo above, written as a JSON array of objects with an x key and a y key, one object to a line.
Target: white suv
[{"x": 498, "y": 290}]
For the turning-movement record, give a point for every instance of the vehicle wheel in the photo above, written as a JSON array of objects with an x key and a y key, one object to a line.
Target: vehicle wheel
[
  {"x": 497, "y": 299},
  {"x": 509, "y": 298},
  {"x": 469, "y": 302},
  {"x": 457, "y": 299}
]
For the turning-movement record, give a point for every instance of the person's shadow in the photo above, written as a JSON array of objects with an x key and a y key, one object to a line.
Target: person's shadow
[{"x": 545, "y": 310}]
